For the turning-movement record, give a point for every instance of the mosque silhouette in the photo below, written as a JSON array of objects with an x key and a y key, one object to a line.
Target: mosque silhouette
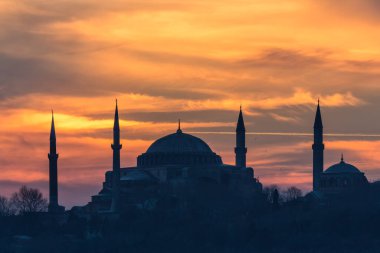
[{"x": 180, "y": 160}]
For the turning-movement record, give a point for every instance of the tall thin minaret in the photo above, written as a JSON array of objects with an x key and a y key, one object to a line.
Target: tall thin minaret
[
  {"x": 116, "y": 146},
  {"x": 240, "y": 149},
  {"x": 318, "y": 148},
  {"x": 53, "y": 170}
]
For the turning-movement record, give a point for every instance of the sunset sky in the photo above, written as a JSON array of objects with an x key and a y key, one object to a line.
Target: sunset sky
[{"x": 196, "y": 60}]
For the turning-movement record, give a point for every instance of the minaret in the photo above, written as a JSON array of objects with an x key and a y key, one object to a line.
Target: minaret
[
  {"x": 318, "y": 148},
  {"x": 116, "y": 146},
  {"x": 240, "y": 149},
  {"x": 53, "y": 170}
]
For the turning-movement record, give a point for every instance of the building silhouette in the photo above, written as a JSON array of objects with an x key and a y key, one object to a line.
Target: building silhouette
[
  {"x": 53, "y": 207},
  {"x": 182, "y": 161},
  {"x": 338, "y": 178},
  {"x": 172, "y": 163}
]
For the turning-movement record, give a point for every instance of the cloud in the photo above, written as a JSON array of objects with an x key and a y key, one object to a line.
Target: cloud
[
  {"x": 283, "y": 118},
  {"x": 197, "y": 61},
  {"x": 68, "y": 54},
  {"x": 362, "y": 10},
  {"x": 302, "y": 97},
  {"x": 282, "y": 58}
]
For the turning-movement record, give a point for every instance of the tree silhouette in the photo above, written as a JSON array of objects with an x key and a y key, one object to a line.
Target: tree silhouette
[
  {"x": 275, "y": 199},
  {"x": 292, "y": 193},
  {"x": 5, "y": 207},
  {"x": 28, "y": 200},
  {"x": 268, "y": 192}
]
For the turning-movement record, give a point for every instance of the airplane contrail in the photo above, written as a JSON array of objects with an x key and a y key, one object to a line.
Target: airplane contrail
[{"x": 292, "y": 134}]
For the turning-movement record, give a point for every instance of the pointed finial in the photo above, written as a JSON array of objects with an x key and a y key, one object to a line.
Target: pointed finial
[
  {"x": 318, "y": 101},
  {"x": 179, "y": 126},
  {"x": 240, "y": 107},
  {"x": 52, "y": 130},
  {"x": 342, "y": 158}
]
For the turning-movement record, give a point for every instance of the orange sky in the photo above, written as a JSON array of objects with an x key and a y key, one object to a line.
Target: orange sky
[{"x": 194, "y": 60}]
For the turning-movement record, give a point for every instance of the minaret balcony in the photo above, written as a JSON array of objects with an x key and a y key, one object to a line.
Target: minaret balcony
[
  {"x": 317, "y": 146},
  {"x": 116, "y": 146},
  {"x": 53, "y": 156}
]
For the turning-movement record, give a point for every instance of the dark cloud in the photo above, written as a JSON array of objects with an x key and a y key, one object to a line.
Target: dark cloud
[
  {"x": 284, "y": 59},
  {"x": 171, "y": 58},
  {"x": 41, "y": 60},
  {"x": 269, "y": 58},
  {"x": 51, "y": 66},
  {"x": 364, "y": 10},
  {"x": 27, "y": 75},
  {"x": 38, "y": 61},
  {"x": 290, "y": 68},
  {"x": 42, "y": 11}
]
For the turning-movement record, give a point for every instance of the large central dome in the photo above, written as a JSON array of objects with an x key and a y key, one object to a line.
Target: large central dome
[
  {"x": 178, "y": 149},
  {"x": 179, "y": 143}
]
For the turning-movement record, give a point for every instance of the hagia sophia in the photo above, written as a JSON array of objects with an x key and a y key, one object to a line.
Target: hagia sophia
[{"x": 180, "y": 160}]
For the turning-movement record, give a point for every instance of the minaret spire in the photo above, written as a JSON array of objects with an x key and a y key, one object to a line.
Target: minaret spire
[
  {"x": 116, "y": 119},
  {"x": 318, "y": 118},
  {"x": 240, "y": 124},
  {"x": 318, "y": 148},
  {"x": 52, "y": 130},
  {"x": 116, "y": 147},
  {"x": 240, "y": 149},
  {"x": 53, "y": 171}
]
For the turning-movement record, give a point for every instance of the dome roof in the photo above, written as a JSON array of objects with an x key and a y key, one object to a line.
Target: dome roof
[
  {"x": 342, "y": 167},
  {"x": 179, "y": 149},
  {"x": 179, "y": 142}
]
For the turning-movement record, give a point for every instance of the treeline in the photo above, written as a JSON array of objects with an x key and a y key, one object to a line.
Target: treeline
[
  {"x": 289, "y": 194},
  {"x": 210, "y": 219},
  {"x": 26, "y": 200},
  {"x": 31, "y": 200}
]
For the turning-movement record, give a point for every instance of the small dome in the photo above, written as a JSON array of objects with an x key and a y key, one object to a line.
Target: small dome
[
  {"x": 179, "y": 142},
  {"x": 342, "y": 167}
]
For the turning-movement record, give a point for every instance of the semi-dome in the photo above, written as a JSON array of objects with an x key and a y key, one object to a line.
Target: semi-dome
[
  {"x": 178, "y": 149},
  {"x": 342, "y": 168}
]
